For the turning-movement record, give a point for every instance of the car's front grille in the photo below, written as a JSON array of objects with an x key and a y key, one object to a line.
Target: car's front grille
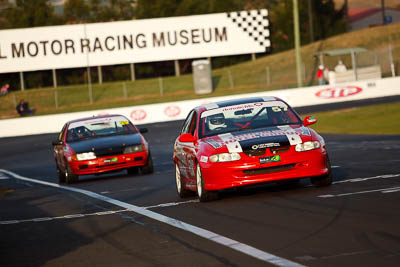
[
  {"x": 109, "y": 152},
  {"x": 262, "y": 151},
  {"x": 269, "y": 169},
  {"x": 109, "y": 165},
  {"x": 255, "y": 152},
  {"x": 279, "y": 149}
]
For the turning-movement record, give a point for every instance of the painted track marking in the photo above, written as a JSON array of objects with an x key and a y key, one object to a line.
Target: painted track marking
[
  {"x": 383, "y": 190},
  {"x": 233, "y": 244},
  {"x": 354, "y": 180},
  {"x": 70, "y": 216},
  {"x": 3, "y": 177}
]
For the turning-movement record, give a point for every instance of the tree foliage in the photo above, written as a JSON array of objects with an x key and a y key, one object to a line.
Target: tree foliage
[
  {"x": 76, "y": 11},
  {"x": 82, "y": 11},
  {"x": 29, "y": 14},
  {"x": 326, "y": 22}
]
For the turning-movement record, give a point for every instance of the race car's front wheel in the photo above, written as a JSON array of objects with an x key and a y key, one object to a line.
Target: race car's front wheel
[
  {"x": 180, "y": 187},
  {"x": 323, "y": 180},
  {"x": 61, "y": 176},
  {"x": 203, "y": 194},
  {"x": 148, "y": 168},
  {"x": 133, "y": 170},
  {"x": 70, "y": 177}
]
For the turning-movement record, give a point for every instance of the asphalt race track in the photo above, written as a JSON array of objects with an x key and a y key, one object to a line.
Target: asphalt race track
[{"x": 139, "y": 220}]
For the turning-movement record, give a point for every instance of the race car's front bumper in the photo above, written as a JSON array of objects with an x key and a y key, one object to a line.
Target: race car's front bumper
[
  {"x": 109, "y": 163},
  {"x": 249, "y": 170}
]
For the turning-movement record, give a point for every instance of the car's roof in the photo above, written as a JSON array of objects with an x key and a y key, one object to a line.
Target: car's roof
[
  {"x": 233, "y": 102},
  {"x": 95, "y": 117}
]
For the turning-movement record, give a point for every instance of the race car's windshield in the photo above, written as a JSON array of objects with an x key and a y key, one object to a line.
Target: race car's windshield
[
  {"x": 98, "y": 127},
  {"x": 246, "y": 116}
]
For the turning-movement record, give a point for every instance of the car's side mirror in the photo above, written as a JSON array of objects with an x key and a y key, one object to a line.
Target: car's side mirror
[
  {"x": 186, "y": 138},
  {"x": 143, "y": 130},
  {"x": 309, "y": 120},
  {"x": 57, "y": 142}
]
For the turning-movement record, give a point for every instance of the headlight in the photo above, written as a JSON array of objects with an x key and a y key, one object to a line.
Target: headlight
[
  {"x": 224, "y": 157},
  {"x": 85, "y": 156},
  {"x": 306, "y": 146},
  {"x": 133, "y": 149}
]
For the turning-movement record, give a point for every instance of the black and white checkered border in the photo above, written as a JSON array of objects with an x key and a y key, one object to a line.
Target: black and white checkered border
[{"x": 255, "y": 23}]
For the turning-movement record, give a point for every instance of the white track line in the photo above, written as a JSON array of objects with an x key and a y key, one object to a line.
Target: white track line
[
  {"x": 383, "y": 190},
  {"x": 355, "y": 180},
  {"x": 69, "y": 216},
  {"x": 233, "y": 244}
]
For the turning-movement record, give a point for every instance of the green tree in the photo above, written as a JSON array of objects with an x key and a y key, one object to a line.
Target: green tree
[
  {"x": 30, "y": 14},
  {"x": 113, "y": 11},
  {"x": 327, "y": 21},
  {"x": 168, "y": 8},
  {"x": 76, "y": 11}
]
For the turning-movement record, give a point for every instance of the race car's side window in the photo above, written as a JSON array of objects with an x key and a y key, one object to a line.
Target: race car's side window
[
  {"x": 187, "y": 124},
  {"x": 192, "y": 124},
  {"x": 60, "y": 136}
]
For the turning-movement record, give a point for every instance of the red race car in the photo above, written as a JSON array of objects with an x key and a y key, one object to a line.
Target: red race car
[
  {"x": 241, "y": 142},
  {"x": 100, "y": 144}
]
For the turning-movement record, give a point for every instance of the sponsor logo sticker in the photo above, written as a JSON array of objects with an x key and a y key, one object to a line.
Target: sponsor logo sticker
[
  {"x": 138, "y": 114},
  {"x": 338, "y": 92},
  {"x": 204, "y": 159},
  {"x": 172, "y": 111},
  {"x": 266, "y": 145},
  {"x": 111, "y": 160},
  {"x": 275, "y": 158}
]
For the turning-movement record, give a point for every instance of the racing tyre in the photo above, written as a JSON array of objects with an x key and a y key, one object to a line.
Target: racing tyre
[
  {"x": 180, "y": 188},
  {"x": 133, "y": 170},
  {"x": 61, "y": 176},
  {"x": 203, "y": 194},
  {"x": 323, "y": 180},
  {"x": 290, "y": 182},
  {"x": 70, "y": 177},
  {"x": 148, "y": 168}
]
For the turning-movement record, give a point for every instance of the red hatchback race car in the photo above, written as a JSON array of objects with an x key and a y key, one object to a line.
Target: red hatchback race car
[
  {"x": 100, "y": 144},
  {"x": 241, "y": 142}
]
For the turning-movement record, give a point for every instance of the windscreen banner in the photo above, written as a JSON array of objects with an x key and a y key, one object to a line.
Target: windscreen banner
[{"x": 134, "y": 41}]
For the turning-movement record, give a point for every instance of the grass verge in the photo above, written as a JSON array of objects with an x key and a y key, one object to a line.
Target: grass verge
[{"x": 376, "y": 120}]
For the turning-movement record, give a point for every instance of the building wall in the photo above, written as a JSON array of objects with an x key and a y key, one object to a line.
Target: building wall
[{"x": 375, "y": 19}]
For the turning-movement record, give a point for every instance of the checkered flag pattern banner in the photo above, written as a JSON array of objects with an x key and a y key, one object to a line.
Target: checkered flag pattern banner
[{"x": 254, "y": 23}]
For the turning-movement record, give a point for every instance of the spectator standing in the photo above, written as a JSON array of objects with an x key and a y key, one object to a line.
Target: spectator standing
[
  {"x": 340, "y": 67},
  {"x": 4, "y": 89},
  {"x": 23, "y": 109},
  {"x": 320, "y": 75}
]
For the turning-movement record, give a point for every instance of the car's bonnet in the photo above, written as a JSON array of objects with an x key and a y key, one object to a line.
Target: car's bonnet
[
  {"x": 272, "y": 137},
  {"x": 101, "y": 143}
]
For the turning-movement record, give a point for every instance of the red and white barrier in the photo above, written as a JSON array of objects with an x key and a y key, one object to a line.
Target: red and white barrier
[{"x": 306, "y": 96}]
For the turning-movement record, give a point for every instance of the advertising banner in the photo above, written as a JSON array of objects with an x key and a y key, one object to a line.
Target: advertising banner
[{"x": 134, "y": 41}]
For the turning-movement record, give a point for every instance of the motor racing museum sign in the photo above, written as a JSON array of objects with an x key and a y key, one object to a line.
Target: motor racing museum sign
[{"x": 134, "y": 41}]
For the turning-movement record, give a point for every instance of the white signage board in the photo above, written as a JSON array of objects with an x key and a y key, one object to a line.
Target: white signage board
[{"x": 134, "y": 41}]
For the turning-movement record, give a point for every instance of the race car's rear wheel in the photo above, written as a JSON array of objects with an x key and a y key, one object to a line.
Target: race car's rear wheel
[
  {"x": 203, "y": 194},
  {"x": 180, "y": 187},
  {"x": 148, "y": 168},
  {"x": 70, "y": 177},
  {"x": 323, "y": 180}
]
